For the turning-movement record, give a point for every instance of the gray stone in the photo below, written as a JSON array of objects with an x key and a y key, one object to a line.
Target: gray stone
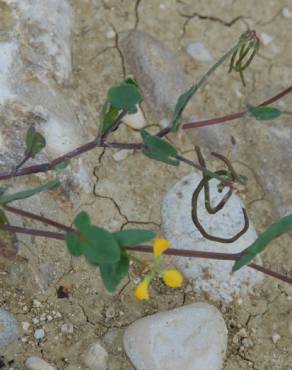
[
  {"x": 211, "y": 276},
  {"x": 36, "y": 363},
  {"x": 157, "y": 70},
  {"x": 39, "y": 334},
  {"x": 8, "y": 328},
  {"x": 96, "y": 357},
  {"x": 192, "y": 337}
]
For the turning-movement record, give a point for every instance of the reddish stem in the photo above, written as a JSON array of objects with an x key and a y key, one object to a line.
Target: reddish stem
[
  {"x": 233, "y": 116},
  {"x": 44, "y": 167},
  {"x": 149, "y": 249},
  {"x": 42, "y": 219}
]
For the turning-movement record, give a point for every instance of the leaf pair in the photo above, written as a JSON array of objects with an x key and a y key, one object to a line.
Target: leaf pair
[
  {"x": 123, "y": 97},
  {"x": 34, "y": 141},
  {"x": 159, "y": 149},
  {"x": 105, "y": 249}
]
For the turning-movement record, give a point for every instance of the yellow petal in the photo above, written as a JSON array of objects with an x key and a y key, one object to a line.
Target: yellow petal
[
  {"x": 159, "y": 246},
  {"x": 141, "y": 291},
  {"x": 173, "y": 278}
]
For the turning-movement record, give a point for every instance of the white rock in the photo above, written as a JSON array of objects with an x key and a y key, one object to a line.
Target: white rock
[
  {"x": 35, "y": 320},
  {"x": 67, "y": 328},
  {"x": 96, "y": 357},
  {"x": 287, "y": 13},
  {"x": 36, "y": 303},
  {"x": 199, "y": 52},
  {"x": 25, "y": 326},
  {"x": 53, "y": 33},
  {"x": 135, "y": 120},
  {"x": 39, "y": 334},
  {"x": 265, "y": 38},
  {"x": 110, "y": 34},
  {"x": 210, "y": 276},
  {"x": 276, "y": 337},
  {"x": 193, "y": 337},
  {"x": 121, "y": 155},
  {"x": 36, "y": 363}
]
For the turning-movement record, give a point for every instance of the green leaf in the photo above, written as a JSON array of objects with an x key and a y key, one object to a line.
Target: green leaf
[
  {"x": 180, "y": 106},
  {"x": 62, "y": 166},
  {"x": 133, "y": 237},
  {"x": 159, "y": 149},
  {"x": 132, "y": 81},
  {"x": 34, "y": 141},
  {"x": 108, "y": 116},
  {"x": 124, "y": 96},
  {"x": 112, "y": 274},
  {"x": 3, "y": 219},
  {"x": 5, "y": 199},
  {"x": 263, "y": 113},
  {"x": 73, "y": 244},
  {"x": 95, "y": 243},
  {"x": 82, "y": 220},
  {"x": 272, "y": 232},
  {"x": 99, "y": 246},
  {"x": 2, "y": 190}
]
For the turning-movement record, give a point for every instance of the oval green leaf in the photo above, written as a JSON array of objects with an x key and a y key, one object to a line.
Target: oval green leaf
[
  {"x": 272, "y": 232},
  {"x": 112, "y": 274},
  {"x": 124, "y": 96},
  {"x": 263, "y": 113},
  {"x": 130, "y": 238}
]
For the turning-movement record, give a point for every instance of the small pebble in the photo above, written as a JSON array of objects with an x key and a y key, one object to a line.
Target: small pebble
[
  {"x": 25, "y": 325},
  {"x": 198, "y": 51},
  {"x": 265, "y": 38},
  {"x": 136, "y": 120},
  {"x": 110, "y": 34},
  {"x": 275, "y": 338},
  {"x": 110, "y": 313},
  {"x": 287, "y": 13},
  {"x": 36, "y": 363},
  {"x": 8, "y": 328},
  {"x": 67, "y": 328},
  {"x": 36, "y": 303},
  {"x": 35, "y": 320},
  {"x": 39, "y": 334},
  {"x": 121, "y": 155},
  {"x": 96, "y": 357}
]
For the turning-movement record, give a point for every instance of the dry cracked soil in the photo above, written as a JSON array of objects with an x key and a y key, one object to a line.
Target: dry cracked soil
[{"x": 128, "y": 193}]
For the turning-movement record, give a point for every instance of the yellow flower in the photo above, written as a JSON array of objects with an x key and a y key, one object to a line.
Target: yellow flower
[
  {"x": 141, "y": 291},
  {"x": 159, "y": 246},
  {"x": 172, "y": 278}
]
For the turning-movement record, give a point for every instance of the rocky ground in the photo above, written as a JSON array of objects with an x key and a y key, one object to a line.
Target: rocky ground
[{"x": 60, "y": 67}]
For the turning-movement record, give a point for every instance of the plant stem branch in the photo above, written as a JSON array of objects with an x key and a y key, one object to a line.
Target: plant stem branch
[
  {"x": 215, "y": 256},
  {"x": 41, "y": 233},
  {"x": 47, "y": 166},
  {"x": 42, "y": 219},
  {"x": 149, "y": 249},
  {"x": 233, "y": 116}
]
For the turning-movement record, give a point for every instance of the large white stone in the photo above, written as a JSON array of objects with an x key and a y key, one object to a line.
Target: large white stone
[
  {"x": 193, "y": 337},
  {"x": 211, "y": 276}
]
